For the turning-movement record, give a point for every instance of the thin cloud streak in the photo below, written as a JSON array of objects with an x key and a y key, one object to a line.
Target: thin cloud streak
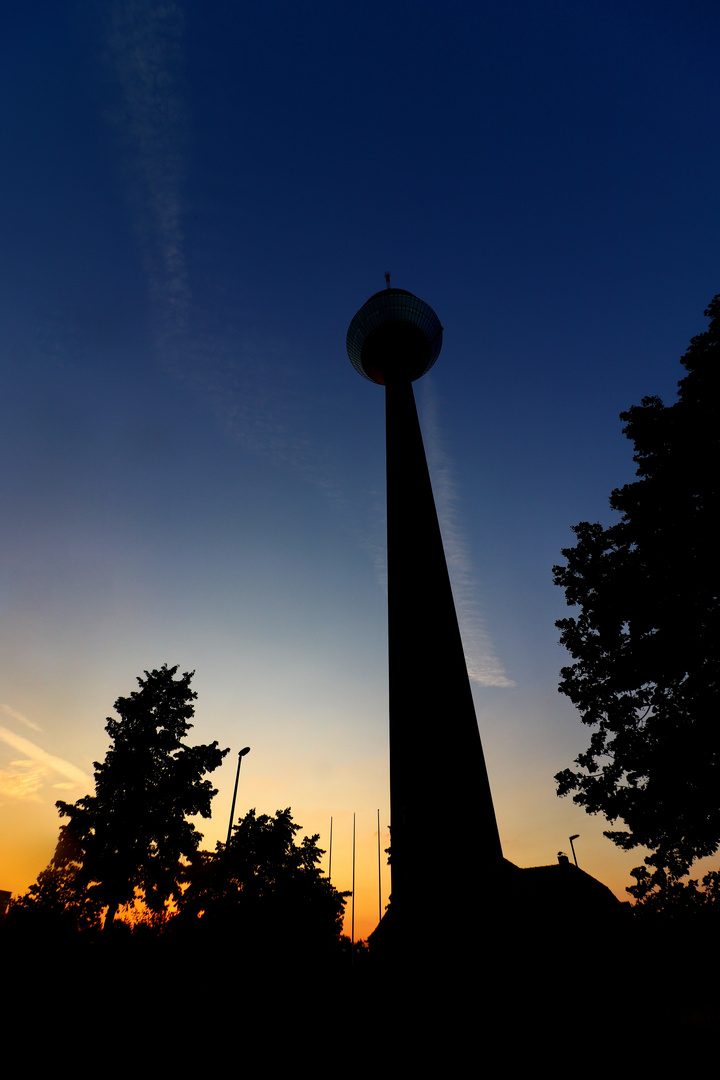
[
  {"x": 484, "y": 667},
  {"x": 263, "y": 405},
  {"x": 19, "y": 716},
  {"x": 49, "y": 761},
  {"x": 263, "y": 412},
  {"x": 146, "y": 41},
  {"x": 23, "y": 780}
]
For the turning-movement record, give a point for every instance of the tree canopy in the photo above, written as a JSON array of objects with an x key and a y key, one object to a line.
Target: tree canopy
[
  {"x": 134, "y": 833},
  {"x": 266, "y": 889},
  {"x": 646, "y": 640}
]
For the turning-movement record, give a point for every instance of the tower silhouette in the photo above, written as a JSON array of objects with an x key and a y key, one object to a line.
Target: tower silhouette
[{"x": 445, "y": 843}]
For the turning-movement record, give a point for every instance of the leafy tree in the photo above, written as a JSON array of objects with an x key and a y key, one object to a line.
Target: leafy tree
[
  {"x": 55, "y": 903},
  {"x": 661, "y": 893},
  {"x": 133, "y": 834},
  {"x": 267, "y": 890},
  {"x": 646, "y": 640}
]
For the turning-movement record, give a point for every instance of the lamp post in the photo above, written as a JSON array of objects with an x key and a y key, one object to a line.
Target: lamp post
[
  {"x": 571, "y": 838},
  {"x": 241, "y": 755}
]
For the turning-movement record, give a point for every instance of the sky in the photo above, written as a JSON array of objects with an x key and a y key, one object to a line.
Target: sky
[{"x": 196, "y": 198}]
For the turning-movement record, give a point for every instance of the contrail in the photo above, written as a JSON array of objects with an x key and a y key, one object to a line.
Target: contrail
[
  {"x": 36, "y": 753},
  {"x": 248, "y": 383},
  {"x": 19, "y": 716},
  {"x": 146, "y": 43},
  {"x": 483, "y": 665}
]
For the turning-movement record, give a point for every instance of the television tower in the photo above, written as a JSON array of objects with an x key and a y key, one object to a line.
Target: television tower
[{"x": 446, "y": 851}]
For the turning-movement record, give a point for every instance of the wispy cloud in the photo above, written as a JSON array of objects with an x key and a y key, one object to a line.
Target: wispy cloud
[
  {"x": 246, "y": 382},
  {"x": 373, "y": 541},
  {"x": 19, "y": 716},
  {"x": 483, "y": 665},
  {"x": 146, "y": 44},
  {"x": 264, "y": 405},
  {"x": 23, "y": 780},
  {"x": 28, "y": 775}
]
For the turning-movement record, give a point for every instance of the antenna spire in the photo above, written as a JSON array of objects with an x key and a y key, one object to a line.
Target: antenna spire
[{"x": 387, "y": 279}]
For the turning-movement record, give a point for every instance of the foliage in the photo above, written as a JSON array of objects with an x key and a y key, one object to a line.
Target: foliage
[
  {"x": 55, "y": 903},
  {"x": 662, "y": 893},
  {"x": 267, "y": 889},
  {"x": 134, "y": 833},
  {"x": 646, "y": 641}
]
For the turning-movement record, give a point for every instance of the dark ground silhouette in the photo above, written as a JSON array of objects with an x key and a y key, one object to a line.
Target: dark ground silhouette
[{"x": 510, "y": 976}]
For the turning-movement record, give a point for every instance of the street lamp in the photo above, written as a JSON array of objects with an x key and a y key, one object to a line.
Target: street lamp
[
  {"x": 241, "y": 755},
  {"x": 571, "y": 838}
]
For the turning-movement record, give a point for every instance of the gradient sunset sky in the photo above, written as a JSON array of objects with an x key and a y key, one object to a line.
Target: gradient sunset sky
[{"x": 196, "y": 198}]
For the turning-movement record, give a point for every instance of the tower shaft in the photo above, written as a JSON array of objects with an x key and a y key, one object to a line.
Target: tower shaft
[{"x": 442, "y": 815}]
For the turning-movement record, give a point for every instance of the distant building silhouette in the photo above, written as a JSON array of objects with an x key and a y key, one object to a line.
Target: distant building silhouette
[
  {"x": 531, "y": 908},
  {"x": 560, "y": 891}
]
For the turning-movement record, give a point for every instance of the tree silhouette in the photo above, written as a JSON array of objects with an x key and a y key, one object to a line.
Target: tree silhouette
[
  {"x": 56, "y": 904},
  {"x": 267, "y": 891},
  {"x": 646, "y": 641},
  {"x": 133, "y": 833},
  {"x": 659, "y": 892}
]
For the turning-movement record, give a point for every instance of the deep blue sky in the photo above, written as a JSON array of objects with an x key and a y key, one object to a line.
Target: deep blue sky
[{"x": 195, "y": 200}]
